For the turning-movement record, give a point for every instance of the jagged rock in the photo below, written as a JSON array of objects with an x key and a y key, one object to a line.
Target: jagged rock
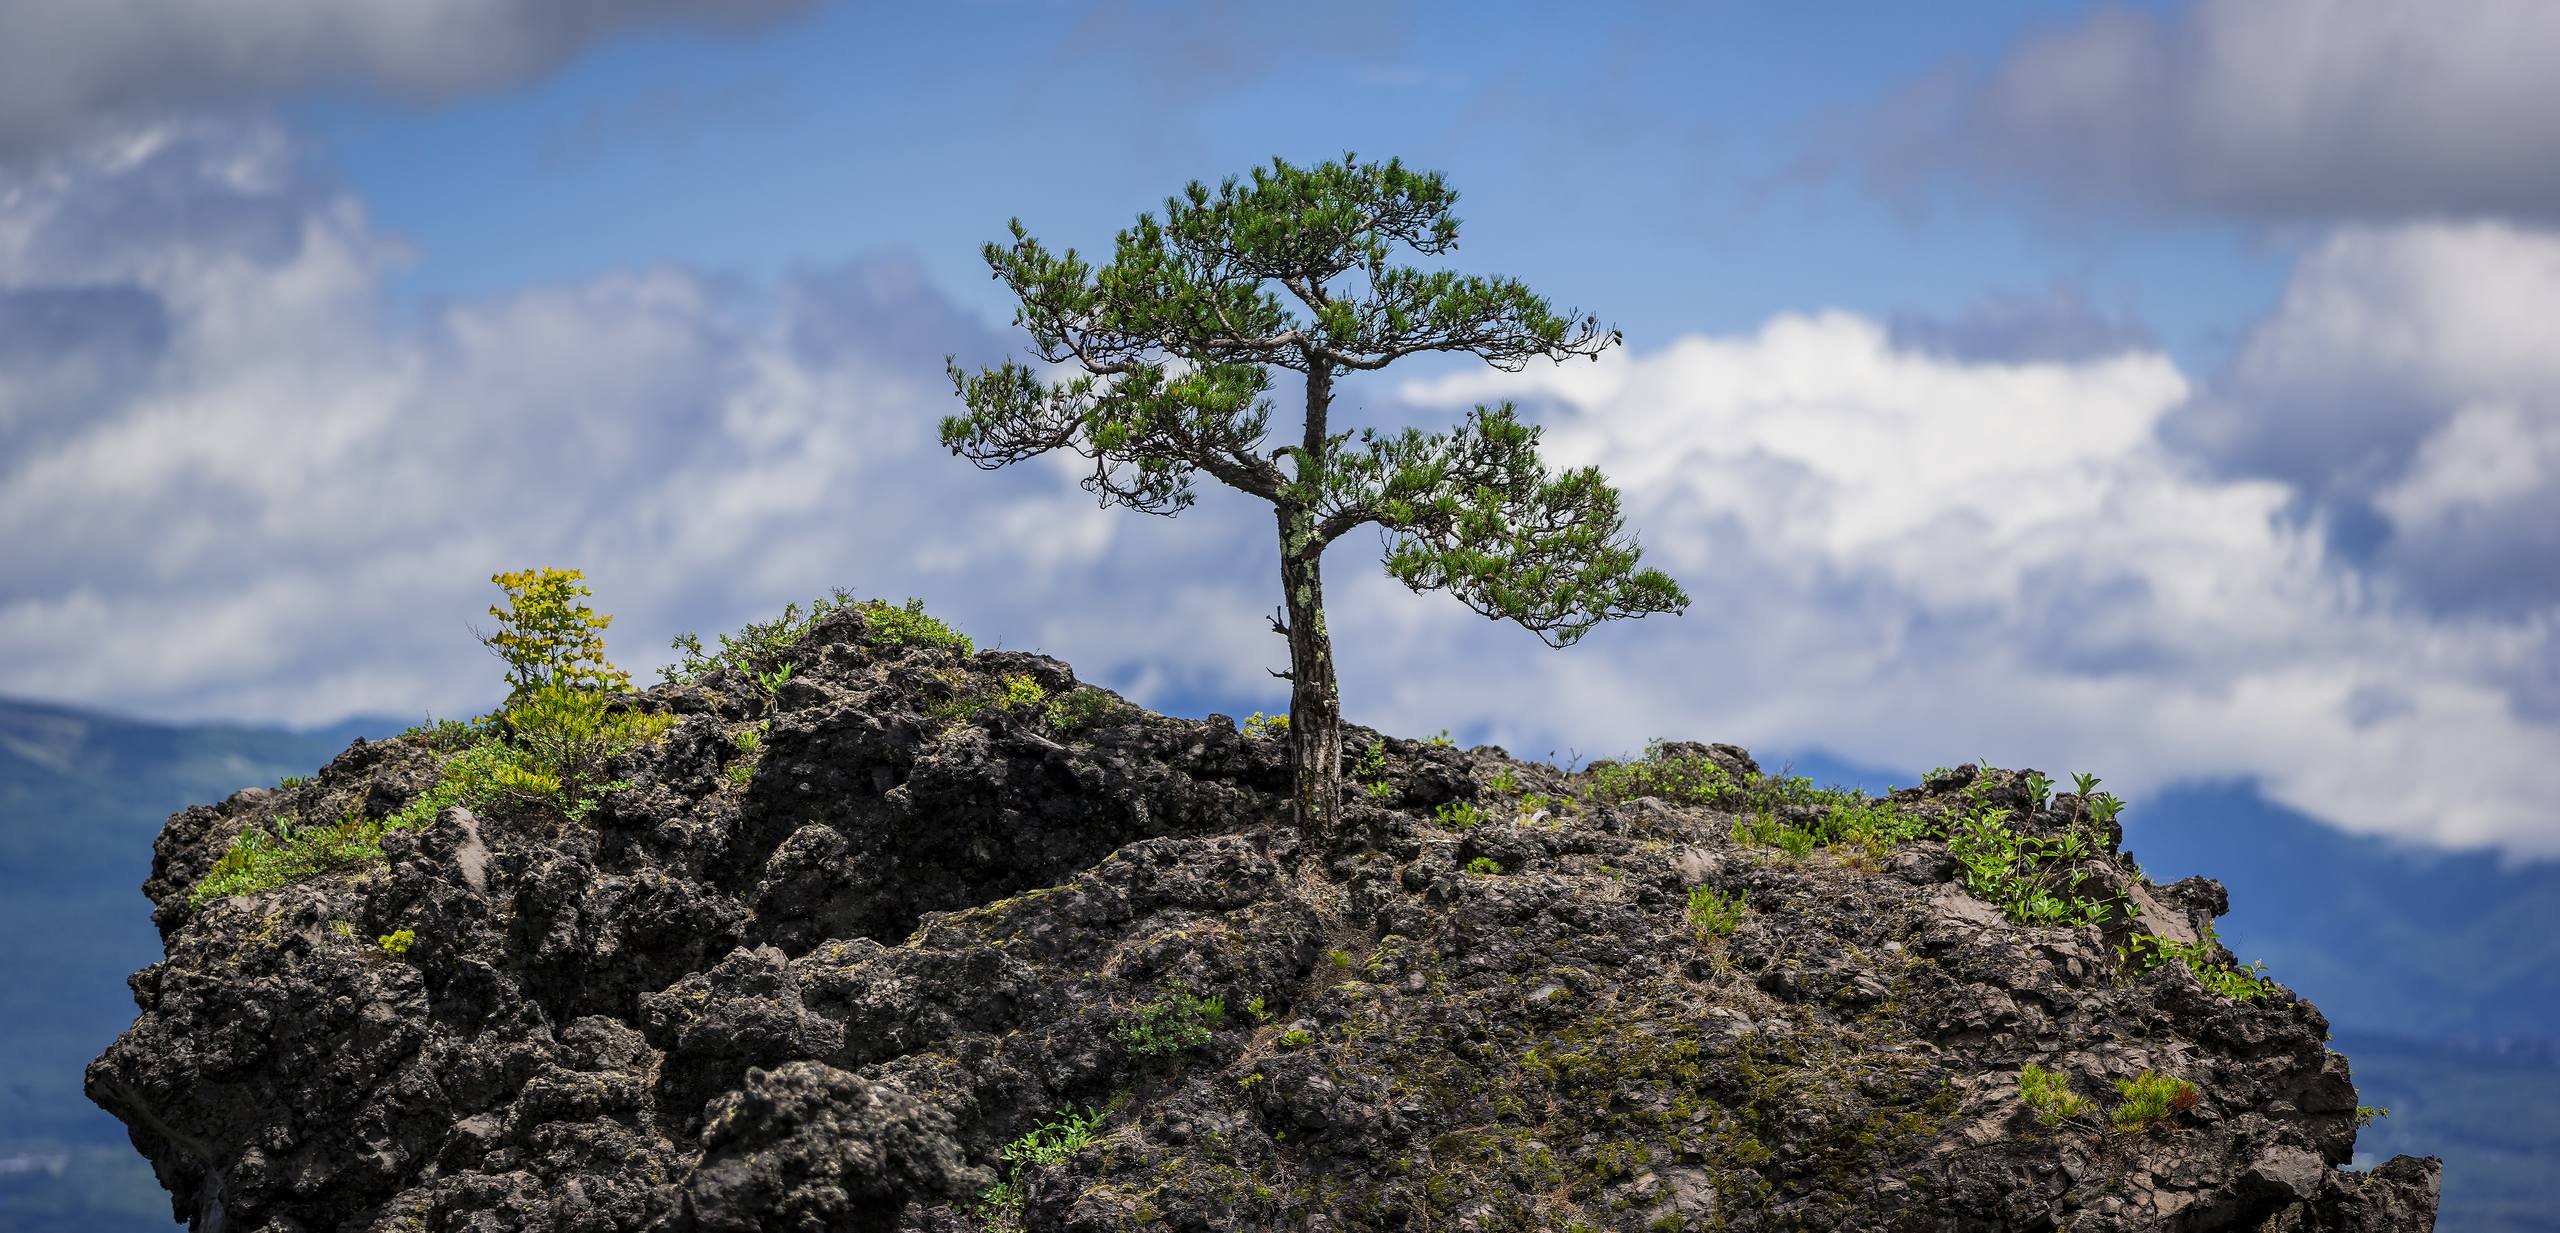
[{"x": 827, "y": 994}]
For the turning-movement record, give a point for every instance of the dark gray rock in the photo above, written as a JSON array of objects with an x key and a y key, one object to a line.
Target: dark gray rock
[{"x": 826, "y": 995}]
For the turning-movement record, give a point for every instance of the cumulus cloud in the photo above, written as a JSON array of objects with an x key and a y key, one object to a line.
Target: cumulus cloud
[
  {"x": 236, "y": 485},
  {"x": 66, "y": 65},
  {"x": 2407, "y": 388},
  {"x": 1891, "y": 550},
  {"x": 2270, "y": 108}
]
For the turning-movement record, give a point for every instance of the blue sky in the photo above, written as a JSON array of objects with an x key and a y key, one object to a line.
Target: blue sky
[
  {"x": 2170, "y": 391},
  {"x": 1724, "y": 136}
]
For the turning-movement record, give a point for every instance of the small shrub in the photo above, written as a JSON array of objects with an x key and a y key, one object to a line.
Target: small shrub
[
  {"x": 1713, "y": 915},
  {"x": 2048, "y": 1093},
  {"x": 774, "y": 681},
  {"x": 1177, "y": 1021},
  {"x": 1373, "y": 764},
  {"x": 1380, "y": 791},
  {"x": 1296, "y": 1038},
  {"x": 262, "y": 859},
  {"x": 1459, "y": 816},
  {"x": 2151, "y": 1097},
  {"x": 1484, "y": 866},
  {"x": 1077, "y": 709},
  {"x": 1442, "y": 740},
  {"x": 397, "y": 942},
  {"x": 911, "y": 626},
  {"x": 564, "y": 735},
  {"x": 548, "y": 636},
  {"x": 756, "y": 649},
  {"x": 2367, "y": 1115},
  {"x": 2033, "y": 881},
  {"x": 1339, "y": 958},
  {"x": 1504, "y": 782},
  {"x": 2241, "y": 983},
  {"x": 1019, "y": 691},
  {"x": 1689, "y": 779},
  {"x": 1048, "y": 1143},
  {"x": 1261, "y": 726},
  {"x": 2039, "y": 789},
  {"x": 442, "y": 735},
  {"x": 1260, "y": 1012},
  {"x": 748, "y": 740},
  {"x": 290, "y": 782}
]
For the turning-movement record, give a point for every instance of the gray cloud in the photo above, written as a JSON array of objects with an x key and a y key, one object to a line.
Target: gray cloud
[
  {"x": 66, "y": 65},
  {"x": 2264, "y": 108},
  {"x": 2014, "y": 328}
]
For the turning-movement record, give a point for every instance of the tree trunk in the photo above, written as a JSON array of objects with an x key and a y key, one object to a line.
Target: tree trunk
[{"x": 1315, "y": 705}]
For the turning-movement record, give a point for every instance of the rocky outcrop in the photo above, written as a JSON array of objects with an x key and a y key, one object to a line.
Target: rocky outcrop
[{"x": 901, "y": 966}]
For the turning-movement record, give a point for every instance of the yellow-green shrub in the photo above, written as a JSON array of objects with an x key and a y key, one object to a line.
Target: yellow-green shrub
[{"x": 549, "y": 636}]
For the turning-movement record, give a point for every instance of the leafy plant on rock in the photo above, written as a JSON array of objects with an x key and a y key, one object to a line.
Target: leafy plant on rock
[
  {"x": 1714, "y": 915},
  {"x": 2149, "y": 1098},
  {"x": 2048, "y": 1094},
  {"x": 1177, "y": 1021},
  {"x": 1051, "y": 1142}
]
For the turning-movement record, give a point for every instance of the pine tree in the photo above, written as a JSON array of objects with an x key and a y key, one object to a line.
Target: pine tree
[{"x": 1177, "y": 337}]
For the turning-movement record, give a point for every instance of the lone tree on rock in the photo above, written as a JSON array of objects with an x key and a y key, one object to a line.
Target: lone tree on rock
[{"x": 1177, "y": 338}]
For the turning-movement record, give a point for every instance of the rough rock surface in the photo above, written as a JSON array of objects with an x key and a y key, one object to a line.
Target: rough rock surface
[{"x": 825, "y": 991}]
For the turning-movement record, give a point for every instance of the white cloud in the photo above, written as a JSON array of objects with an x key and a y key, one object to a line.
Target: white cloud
[
  {"x": 2408, "y": 389},
  {"x": 2291, "y": 108},
  {"x": 287, "y": 504},
  {"x": 294, "y": 515},
  {"x": 68, "y": 67},
  {"x": 1911, "y": 560}
]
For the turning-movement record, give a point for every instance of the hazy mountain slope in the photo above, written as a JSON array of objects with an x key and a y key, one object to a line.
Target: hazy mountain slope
[{"x": 81, "y": 796}]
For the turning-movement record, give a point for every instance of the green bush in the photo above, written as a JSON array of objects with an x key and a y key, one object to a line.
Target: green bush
[
  {"x": 2242, "y": 983},
  {"x": 756, "y": 649},
  {"x": 562, "y": 737},
  {"x": 2048, "y": 1093},
  {"x": 911, "y": 626},
  {"x": 1077, "y": 709},
  {"x": 1713, "y": 915},
  {"x": 1021, "y": 691},
  {"x": 548, "y": 636},
  {"x": 397, "y": 942},
  {"x": 548, "y": 743},
  {"x": 2151, "y": 1097},
  {"x": 1049, "y": 1143},
  {"x": 1177, "y": 1021},
  {"x": 1261, "y": 726},
  {"x": 1459, "y": 816},
  {"x": 2033, "y": 881},
  {"x": 1484, "y": 866},
  {"x": 1690, "y": 779},
  {"x": 264, "y": 858}
]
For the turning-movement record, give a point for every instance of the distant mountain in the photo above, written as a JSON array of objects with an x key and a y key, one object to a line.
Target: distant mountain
[{"x": 82, "y": 795}]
